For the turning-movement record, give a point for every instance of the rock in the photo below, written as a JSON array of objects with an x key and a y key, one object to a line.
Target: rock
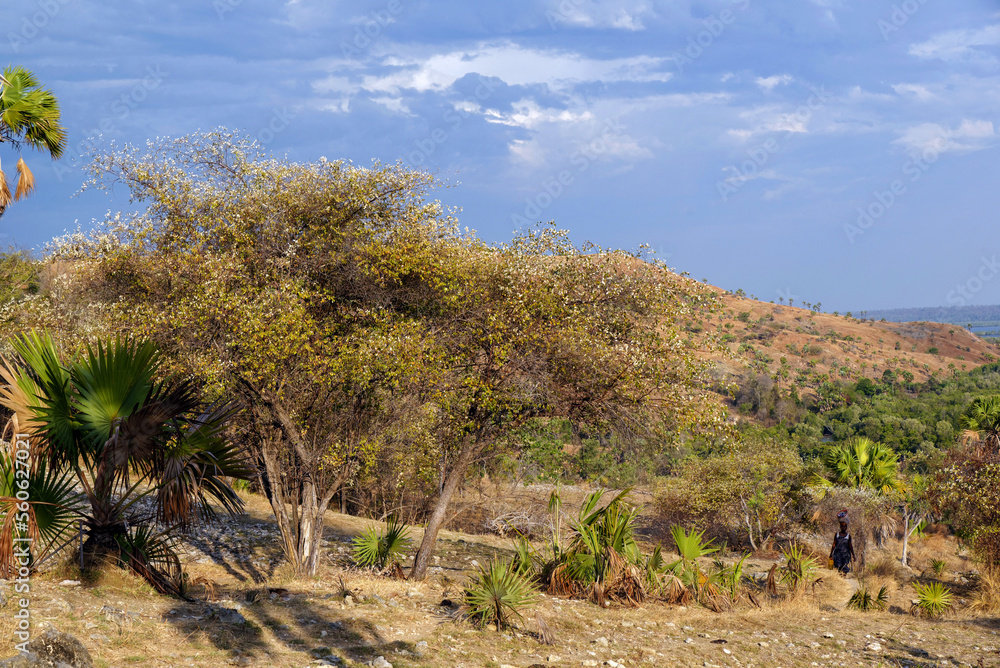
[
  {"x": 69, "y": 583},
  {"x": 52, "y": 649},
  {"x": 320, "y": 652},
  {"x": 873, "y": 647},
  {"x": 763, "y": 644},
  {"x": 588, "y": 663},
  {"x": 422, "y": 645},
  {"x": 227, "y": 615},
  {"x": 688, "y": 641},
  {"x": 602, "y": 641},
  {"x": 827, "y": 635},
  {"x": 380, "y": 662},
  {"x": 553, "y": 658}
]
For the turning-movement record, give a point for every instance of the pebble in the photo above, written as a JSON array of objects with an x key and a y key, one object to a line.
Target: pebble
[
  {"x": 380, "y": 662},
  {"x": 553, "y": 658},
  {"x": 602, "y": 641},
  {"x": 873, "y": 647}
]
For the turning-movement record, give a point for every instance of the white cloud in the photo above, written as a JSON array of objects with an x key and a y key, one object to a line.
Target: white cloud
[
  {"x": 514, "y": 64},
  {"x": 960, "y": 45},
  {"x": 920, "y": 93},
  {"x": 771, "y": 82},
  {"x": 620, "y": 15},
  {"x": 968, "y": 136}
]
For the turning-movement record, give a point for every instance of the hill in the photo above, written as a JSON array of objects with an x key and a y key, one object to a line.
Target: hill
[{"x": 804, "y": 348}]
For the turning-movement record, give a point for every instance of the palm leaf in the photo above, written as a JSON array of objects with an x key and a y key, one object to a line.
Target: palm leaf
[{"x": 25, "y": 180}]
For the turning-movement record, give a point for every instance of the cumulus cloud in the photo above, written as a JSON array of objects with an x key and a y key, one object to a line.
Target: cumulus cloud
[
  {"x": 510, "y": 62},
  {"x": 771, "y": 82}
]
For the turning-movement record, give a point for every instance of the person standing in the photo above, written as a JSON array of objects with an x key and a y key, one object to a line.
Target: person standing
[{"x": 842, "y": 551}]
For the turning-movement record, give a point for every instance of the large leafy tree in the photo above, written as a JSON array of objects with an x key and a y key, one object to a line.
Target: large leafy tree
[
  {"x": 29, "y": 117},
  {"x": 355, "y": 320},
  {"x": 105, "y": 417}
]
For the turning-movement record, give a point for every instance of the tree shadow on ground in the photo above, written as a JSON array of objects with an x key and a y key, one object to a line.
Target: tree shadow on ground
[
  {"x": 289, "y": 620},
  {"x": 240, "y": 569}
]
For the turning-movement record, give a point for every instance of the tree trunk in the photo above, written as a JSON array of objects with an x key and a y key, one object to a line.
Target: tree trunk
[
  {"x": 422, "y": 559},
  {"x": 906, "y": 536}
]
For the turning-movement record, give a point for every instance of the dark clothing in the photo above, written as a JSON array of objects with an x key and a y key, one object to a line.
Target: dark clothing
[{"x": 843, "y": 552}]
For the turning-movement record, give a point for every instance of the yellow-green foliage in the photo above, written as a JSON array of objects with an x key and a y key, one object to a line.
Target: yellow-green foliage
[
  {"x": 747, "y": 490},
  {"x": 370, "y": 337}
]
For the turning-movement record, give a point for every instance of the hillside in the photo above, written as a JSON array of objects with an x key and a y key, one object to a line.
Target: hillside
[{"x": 807, "y": 348}]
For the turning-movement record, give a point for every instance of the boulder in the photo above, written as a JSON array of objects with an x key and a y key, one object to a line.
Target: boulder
[{"x": 52, "y": 649}]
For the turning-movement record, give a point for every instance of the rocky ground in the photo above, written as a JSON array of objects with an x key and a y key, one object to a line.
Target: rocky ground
[{"x": 251, "y": 612}]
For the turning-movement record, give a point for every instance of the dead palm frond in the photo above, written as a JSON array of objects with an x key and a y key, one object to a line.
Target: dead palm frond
[
  {"x": 772, "y": 585},
  {"x": 25, "y": 180},
  {"x": 5, "y": 196}
]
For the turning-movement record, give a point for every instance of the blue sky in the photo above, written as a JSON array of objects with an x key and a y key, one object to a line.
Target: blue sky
[{"x": 836, "y": 151}]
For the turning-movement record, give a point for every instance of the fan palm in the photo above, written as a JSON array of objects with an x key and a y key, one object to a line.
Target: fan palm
[
  {"x": 983, "y": 417},
  {"x": 863, "y": 463},
  {"x": 106, "y": 419},
  {"x": 29, "y": 116}
]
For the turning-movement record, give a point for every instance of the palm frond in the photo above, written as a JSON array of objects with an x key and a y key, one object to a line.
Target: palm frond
[{"x": 25, "y": 180}]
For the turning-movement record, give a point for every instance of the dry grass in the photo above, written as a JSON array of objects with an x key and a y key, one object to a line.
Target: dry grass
[{"x": 987, "y": 595}]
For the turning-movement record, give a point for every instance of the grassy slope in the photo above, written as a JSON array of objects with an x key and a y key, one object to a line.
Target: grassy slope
[{"x": 387, "y": 617}]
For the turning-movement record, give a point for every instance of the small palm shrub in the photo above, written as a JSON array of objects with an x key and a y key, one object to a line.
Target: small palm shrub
[
  {"x": 375, "y": 549},
  {"x": 938, "y": 566},
  {"x": 799, "y": 569},
  {"x": 934, "y": 599},
  {"x": 497, "y": 593},
  {"x": 864, "y": 601},
  {"x": 603, "y": 561}
]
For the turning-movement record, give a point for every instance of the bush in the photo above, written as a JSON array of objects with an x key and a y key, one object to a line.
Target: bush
[
  {"x": 934, "y": 599},
  {"x": 497, "y": 593},
  {"x": 374, "y": 549},
  {"x": 864, "y": 601},
  {"x": 742, "y": 495}
]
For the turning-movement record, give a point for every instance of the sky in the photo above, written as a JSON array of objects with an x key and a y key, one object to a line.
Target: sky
[{"x": 843, "y": 152}]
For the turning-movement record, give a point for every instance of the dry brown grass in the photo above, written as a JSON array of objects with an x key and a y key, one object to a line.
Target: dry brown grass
[{"x": 987, "y": 595}]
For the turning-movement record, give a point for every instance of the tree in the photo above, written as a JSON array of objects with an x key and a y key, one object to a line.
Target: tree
[
  {"x": 543, "y": 328},
  {"x": 863, "y": 463},
  {"x": 983, "y": 418},
  {"x": 29, "y": 116},
  {"x": 105, "y": 417},
  {"x": 360, "y": 326}
]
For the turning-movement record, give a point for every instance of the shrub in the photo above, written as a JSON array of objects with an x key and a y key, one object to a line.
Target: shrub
[
  {"x": 864, "y": 601},
  {"x": 934, "y": 599},
  {"x": 375, "y": 549},
  {"x": 497, "y": 593},
  {"x": 937, "y": 565},
  {"x": 799, "y": 569}
]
